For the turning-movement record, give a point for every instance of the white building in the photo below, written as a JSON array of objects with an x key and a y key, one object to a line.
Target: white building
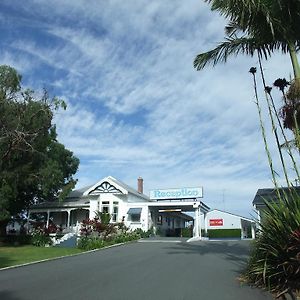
[
  {"x": 164, "y": 212},
  {"x": 218, "y": 219}
]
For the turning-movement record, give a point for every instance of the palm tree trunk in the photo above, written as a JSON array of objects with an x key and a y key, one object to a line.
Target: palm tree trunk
[{"x": 294, "y": 59}]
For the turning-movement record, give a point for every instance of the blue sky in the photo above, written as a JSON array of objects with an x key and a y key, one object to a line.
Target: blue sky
[{"x": 136, "y": 106}]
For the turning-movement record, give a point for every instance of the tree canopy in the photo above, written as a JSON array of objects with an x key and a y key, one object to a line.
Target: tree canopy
[{"x": 34, "y": 166}]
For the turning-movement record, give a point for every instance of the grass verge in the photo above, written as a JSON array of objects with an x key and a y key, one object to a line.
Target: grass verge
[{"x": 12, "y": 256}]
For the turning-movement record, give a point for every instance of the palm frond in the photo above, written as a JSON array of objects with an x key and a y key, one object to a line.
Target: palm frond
[
  {"x": 232, "y": 29},
  {"x": 231, "y": 46},
  {"x": 279, "y": 19}
]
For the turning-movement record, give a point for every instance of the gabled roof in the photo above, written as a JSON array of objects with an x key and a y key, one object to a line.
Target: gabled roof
[
  {"x": 270, "y": 195},
  {"x": 80, "y": 196},
  {"x": 121, "y": 186}
]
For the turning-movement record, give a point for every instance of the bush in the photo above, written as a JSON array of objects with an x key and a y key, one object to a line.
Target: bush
[
  {"x": 224, "y": 233},
  {"x": 274, "y": 262},
  {"x": 92, "y": 242},
  {"x": 187, "y": 232},
  {"x": 95, "y": 234},
  {"x": 96, "y": 228},
  {"x": 142, "y": 233},
  {"x": 40, "y": 238},
  {"x": 17, "y": 240}
]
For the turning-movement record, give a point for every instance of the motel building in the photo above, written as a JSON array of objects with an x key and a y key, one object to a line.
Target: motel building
[
  {"x": 241, "y": 227},
  {"x": 165, "y": 211}
]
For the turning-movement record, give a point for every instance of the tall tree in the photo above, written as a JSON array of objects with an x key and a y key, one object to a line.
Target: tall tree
[{"x": 34, "y": 166}]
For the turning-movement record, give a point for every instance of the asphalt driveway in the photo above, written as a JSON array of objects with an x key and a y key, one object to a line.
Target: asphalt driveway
[{"x": 164, "y": 269}]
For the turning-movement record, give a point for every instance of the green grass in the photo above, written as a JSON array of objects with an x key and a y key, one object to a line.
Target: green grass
[{"x": 11, "y": 256}]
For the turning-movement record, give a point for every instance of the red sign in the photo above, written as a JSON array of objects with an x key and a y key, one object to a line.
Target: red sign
[{"x": 216, "y": 222}]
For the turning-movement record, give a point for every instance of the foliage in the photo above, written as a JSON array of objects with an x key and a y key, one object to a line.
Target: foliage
[
  {"x": 255, "y": 26},
  {"x": 34, "y": 166},
  {"x": 260, "y": 27},
  {"x": 96, "y": 228},
  {"x": 16, "y": 240},
  {"x": 93, "y": 242},
  {"x": 40, "y": 238},
  {"x": 263, "y": 27},
  {"x": 103, "y": 217},
  {"x": 187, "y": 232},
  {"x": 95, "y": 234},
  {"x": 90, "y": 243},
  {"x": 144, "y": 234},
  {"x": 275, "y": 260},
  {"x": 224, "y": 233}
]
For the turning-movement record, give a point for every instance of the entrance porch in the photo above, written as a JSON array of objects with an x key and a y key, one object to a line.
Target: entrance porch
[{"x": 169, "y": 217}]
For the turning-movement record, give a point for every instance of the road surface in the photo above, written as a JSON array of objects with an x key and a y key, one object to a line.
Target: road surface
[{"x": 163, "y": 269}]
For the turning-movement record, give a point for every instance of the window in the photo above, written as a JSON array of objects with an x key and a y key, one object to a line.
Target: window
[
  {"x": 135, "y": 218},
  {"x": 105, "y": 207},
  {"x": 134, "y": 214},
  {"x": 115, "y": 211}
]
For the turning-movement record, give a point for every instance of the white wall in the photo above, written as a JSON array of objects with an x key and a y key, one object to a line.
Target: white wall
[
  {"x": 229, "y": 221},
  {"x": 123, "y": 207}
]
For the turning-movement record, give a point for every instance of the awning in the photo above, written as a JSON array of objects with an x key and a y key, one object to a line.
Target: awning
[{"x": 134, "y": 211}]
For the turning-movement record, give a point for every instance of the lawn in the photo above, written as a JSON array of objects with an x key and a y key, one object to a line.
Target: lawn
[{"x": 11, "y": 256}]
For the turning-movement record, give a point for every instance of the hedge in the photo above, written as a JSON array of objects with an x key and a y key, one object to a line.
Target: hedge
[{"x": 224, "y": 233}]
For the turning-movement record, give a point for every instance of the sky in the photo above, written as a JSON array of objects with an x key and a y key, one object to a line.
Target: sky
[{"x": 136, "y": 106}]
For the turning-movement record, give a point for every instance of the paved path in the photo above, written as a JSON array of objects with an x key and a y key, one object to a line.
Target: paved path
[{"x": 143, "y": 270}]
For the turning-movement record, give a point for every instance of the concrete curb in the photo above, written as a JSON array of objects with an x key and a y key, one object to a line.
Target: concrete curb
[{"x": 65, "y": 256}]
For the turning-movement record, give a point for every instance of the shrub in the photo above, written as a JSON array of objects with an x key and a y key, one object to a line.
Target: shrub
[
  {"x": 224, "y": 233},
  {"x": 17, "y": 239},
  {"x": 96, "y": 228},
  {"x": 274, "y": 263},
  {"x": 187, "y": 232},
  {"x": 93, "y": 242},
  {"x": 90, "y": 243},
  {"x": 40, "y": 238},
  {"x": 142, "y": 233}
]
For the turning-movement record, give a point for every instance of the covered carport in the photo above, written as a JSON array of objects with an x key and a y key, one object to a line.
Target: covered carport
[{"x": 179, "y": 201}]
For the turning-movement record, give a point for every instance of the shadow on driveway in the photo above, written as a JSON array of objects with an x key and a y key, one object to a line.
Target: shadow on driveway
[{"x": 237, "y": 252}]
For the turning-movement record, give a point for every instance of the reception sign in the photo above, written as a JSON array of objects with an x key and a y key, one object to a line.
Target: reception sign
[
  {"x": 179, "y": 193},
  {"x": 216, "y": 222}
]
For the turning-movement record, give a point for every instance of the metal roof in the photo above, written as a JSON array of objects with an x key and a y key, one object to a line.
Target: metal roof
[{"x": 270, "y": 195}]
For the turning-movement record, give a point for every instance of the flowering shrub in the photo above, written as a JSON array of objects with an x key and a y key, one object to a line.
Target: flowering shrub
[
  {"x": 93, "y": 228},
  {"x": 40, "y": 238},
  {"x": 95, "y": 234},
  {"x": 52, "y": 228}
]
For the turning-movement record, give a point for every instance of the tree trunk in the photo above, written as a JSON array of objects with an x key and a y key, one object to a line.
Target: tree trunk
[{"x": 294, "y": 59}]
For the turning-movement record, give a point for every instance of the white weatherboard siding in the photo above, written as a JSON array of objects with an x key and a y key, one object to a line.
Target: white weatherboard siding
[
  {"x": 125, "y": 204},
  {"x": 229, "y": 221}
]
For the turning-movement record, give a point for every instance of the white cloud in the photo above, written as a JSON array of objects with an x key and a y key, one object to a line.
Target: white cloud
[{"x": 136, "y": 106}]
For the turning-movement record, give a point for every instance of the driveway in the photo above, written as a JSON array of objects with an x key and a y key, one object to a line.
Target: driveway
[{"x": 163, "y": 269}]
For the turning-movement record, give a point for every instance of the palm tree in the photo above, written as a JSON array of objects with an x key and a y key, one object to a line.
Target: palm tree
[{"x": 261, "y": 26}]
